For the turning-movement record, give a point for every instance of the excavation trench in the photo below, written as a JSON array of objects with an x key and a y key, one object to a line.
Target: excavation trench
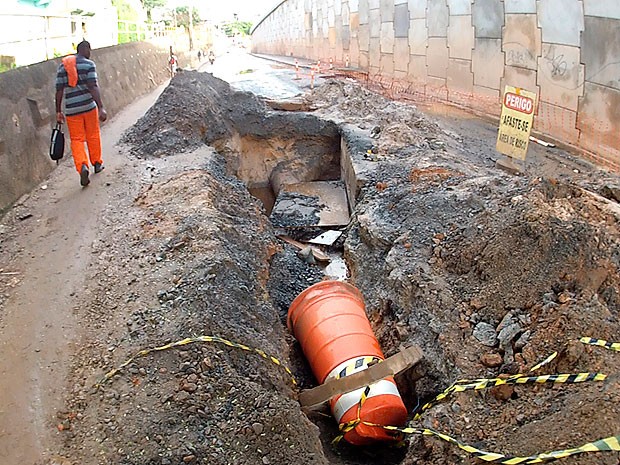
[
  {"x": 307, "y": 183},
  {"x": 306, "y": 172},
  {"x": 276, "y": 168},
  {"x": 298, "y": 180},
  {"x": 488, "y": 273}
]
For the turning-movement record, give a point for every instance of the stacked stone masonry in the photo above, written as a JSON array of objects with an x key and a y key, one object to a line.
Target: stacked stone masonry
[{"x": 467, "y": 51}]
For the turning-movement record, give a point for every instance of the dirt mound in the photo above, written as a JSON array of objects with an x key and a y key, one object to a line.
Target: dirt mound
[
  {"x": 490, "y": 278},
  {"x": 398, "y": 128},
  {"x": 196, "y": 108},
  {"x": 487, "y": 272},
  {"x": 199, "y": 257}
]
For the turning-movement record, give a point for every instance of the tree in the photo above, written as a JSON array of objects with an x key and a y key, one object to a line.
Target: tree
[
  {"x": 237, "y": 28},
  {"x": 150, "y": 4},
  {"x": 183, "y": 19},
  {"x": 126, "y": 12},
  {"x": 182, "y": 14}
]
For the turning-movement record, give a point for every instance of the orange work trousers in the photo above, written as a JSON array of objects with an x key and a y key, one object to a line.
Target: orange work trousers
[{"x": 85, "y": 128}]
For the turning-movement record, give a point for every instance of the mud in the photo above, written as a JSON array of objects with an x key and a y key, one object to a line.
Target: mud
[{"x": 449, "y": 253}]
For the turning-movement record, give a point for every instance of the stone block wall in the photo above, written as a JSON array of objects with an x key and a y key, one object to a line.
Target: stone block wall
[{"x": 466, "y": 51}]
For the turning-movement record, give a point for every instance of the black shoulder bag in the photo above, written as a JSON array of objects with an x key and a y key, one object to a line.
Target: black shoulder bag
[{"x": 57, "y": 143}]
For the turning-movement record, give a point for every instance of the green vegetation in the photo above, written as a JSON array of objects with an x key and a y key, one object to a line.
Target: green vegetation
[
  {"x": 129, "y": 32},
  {"x": 150, "y": 4},
  {"x": 182, "y": 16},
  {"x": 125, "y": 10},
  {"x": 127, "y": 22},
  {"x": 237, "y": 28},
  {"x": 7, "y": 62},
  {"x": 4, "y": 67}
]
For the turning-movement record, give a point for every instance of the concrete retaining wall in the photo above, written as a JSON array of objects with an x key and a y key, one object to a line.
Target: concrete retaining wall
[
  {"x": 466, "y": 51},
  {"x": 28, "y": 111}
]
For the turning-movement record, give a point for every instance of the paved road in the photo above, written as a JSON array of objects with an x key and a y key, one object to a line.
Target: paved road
[{"x": 266, "y": 78}]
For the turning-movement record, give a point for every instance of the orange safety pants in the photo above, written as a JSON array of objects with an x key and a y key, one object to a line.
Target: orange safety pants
[{"x": 85, "y": 128}]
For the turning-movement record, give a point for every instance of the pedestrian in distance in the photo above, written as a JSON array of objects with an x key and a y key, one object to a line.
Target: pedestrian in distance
[
  {"x": 76, "y": 82},
  {"x": 199, "y": 55},
  {"x": 174, "y": 64}
]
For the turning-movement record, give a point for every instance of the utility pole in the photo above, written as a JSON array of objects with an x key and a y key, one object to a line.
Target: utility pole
[
  {"x": 46, "y": 23},
  {"x": 191, "y": 25}
]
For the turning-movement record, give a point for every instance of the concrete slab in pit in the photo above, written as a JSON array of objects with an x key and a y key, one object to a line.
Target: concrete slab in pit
[{"x": 308, "y": 204}]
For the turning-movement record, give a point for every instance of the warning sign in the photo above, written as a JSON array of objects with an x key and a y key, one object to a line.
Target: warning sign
[{"x": 516, "y": 121}]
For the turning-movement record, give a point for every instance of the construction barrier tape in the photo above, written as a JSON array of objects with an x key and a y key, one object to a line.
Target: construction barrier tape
[
  {"x": 485, "y": 383},
  {"x": 599, "y": 342},
  {"x": 611, "y": 443},
  {"x": 191, "y": 340},
  {"x": 544, "y": 362},
  {"x": 350, "y": 425},
  {"x": 479, "y": 384},
  {"x": 358, "y": 363}
]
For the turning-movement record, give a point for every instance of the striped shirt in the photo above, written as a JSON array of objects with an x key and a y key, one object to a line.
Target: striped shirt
[{"x": 78, "y": 99}]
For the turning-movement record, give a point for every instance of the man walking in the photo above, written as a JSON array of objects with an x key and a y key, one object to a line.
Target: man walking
[
  {"x": 76, "y": 80},
  {"x": 174, "y": 64}
]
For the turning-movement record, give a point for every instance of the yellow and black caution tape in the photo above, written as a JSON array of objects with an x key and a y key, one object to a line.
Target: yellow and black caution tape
[
  {"x": 357, "y": 364},
  {"x": 350, "y": 425},
  {"x": 611, "y": 443},
  {"x": 544, "y": 362},
  {"x": 601, "y": 343},
  {"x": 191, "y": 340},
  {"x": 487, "y": 383}
]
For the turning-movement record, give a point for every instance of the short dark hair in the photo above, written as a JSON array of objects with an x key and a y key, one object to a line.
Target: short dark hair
[{"x": 82, "y": 45}]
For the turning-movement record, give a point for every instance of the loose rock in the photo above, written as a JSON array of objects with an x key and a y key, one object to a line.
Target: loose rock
[
  {"x": 485, "y": 333},
  {"x": 491, "y": 359}
]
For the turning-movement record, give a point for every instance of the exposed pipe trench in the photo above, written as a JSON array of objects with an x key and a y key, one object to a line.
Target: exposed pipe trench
[{"x": 306, "y": 171}]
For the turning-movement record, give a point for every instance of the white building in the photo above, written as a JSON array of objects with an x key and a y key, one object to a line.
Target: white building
[{"x": 37, "y": 30}]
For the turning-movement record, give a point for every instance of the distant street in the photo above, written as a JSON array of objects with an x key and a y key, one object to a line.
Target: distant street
[{"x": 262, "y": 77}]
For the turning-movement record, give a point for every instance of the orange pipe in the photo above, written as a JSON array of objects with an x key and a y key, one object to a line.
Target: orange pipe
[{"x": 329, "y": 321}]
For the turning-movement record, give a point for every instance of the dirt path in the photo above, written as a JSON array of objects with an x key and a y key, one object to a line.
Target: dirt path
[{"x": 44, "y": 257}]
